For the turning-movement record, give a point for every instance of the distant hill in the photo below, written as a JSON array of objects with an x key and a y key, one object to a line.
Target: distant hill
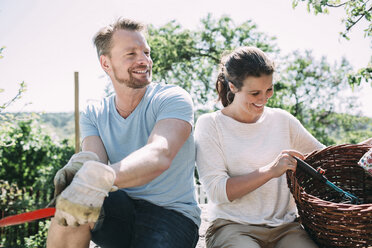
[
  {"x": 62, "y": 124},
  {"x": 58, "y": 125}
]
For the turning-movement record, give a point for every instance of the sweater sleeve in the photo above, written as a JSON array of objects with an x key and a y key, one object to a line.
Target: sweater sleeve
[
  {"x": 210, "y": 159},
  {"x": 302, "y": 140}
]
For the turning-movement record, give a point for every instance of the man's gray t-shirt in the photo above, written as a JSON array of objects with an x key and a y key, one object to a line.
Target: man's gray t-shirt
[{"x": 173, "y": 189}]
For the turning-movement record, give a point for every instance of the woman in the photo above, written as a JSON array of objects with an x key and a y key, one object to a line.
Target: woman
[{"x": 243, "y": 152}]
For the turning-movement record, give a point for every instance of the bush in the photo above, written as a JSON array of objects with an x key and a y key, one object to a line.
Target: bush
[{"x": 29, "y": 159}]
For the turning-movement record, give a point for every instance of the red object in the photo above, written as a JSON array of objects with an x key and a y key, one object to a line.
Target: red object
[
  {"x": 27, "y": 217},
  {"x": 320, "y": 170}
]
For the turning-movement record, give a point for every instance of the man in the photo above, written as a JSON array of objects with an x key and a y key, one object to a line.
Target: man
[{"x": 144, "y": 133}]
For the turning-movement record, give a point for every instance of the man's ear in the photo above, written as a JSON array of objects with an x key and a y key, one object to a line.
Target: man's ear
[{"x": 105, "y": 63}]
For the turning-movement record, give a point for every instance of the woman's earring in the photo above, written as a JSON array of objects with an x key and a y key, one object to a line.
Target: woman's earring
[{"x": 229, "y": 95}]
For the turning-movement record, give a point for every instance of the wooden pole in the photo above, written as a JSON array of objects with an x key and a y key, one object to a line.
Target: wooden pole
[{"x": 77, "y": 127}]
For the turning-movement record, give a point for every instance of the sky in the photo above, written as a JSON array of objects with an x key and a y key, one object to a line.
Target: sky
[{"x": 46, "y": 41}]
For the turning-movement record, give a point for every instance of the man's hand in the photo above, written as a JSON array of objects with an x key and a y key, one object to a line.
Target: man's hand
[
  {"x": 65, "y": 175},
  {"x": 82, "y": 200}
]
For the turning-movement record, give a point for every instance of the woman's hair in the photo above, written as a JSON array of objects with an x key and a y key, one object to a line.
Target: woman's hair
[
  {"x": 236, "y": 66},
  {"x": 102, "y": 39}
]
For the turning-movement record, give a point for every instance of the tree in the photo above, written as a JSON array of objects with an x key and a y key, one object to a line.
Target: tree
[
  {"x": 357, "y": 77},
  {"x": 27, "y": 151},
  {"x": 29, "y": 159},
  {"x": 190, "y": 58},
  {"x": 21, "y": 90},
  {"x": 313, "y": 91},
  {"x": 348, "y": 128},
  {"x": 7, "y": 120},
  {"x": 355, "y": 11},
  {"x": 305, "y": 87}
]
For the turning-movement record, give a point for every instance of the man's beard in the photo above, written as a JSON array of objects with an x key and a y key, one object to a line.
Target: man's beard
[{"x": 132, "y": 82}]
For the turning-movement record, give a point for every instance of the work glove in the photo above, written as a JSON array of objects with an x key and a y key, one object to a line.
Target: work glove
[
  {"x": 65, "y": 175},
  {"x": 82, "y": 200}
]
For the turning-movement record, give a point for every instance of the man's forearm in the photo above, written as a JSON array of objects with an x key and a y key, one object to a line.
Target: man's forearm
[
  {"x": 95, "y": 144},
  {"x": 141, "y": 166}
]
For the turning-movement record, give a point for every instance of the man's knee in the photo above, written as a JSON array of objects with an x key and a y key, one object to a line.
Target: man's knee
[
  {"x": 115, "y": 223},
  {"x": 118, "y": 205}
]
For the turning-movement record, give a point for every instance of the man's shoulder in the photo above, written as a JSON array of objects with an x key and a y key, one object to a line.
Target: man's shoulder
[
  {"x": 167, "y": 89},
  {"x": 168, "y": 93},
  {"x": 98, "y": 106}
]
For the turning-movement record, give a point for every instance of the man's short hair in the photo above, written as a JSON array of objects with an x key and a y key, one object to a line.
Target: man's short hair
[{"x": 102, "y": 39}]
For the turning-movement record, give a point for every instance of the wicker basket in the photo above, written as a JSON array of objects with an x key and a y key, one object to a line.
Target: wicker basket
[{"x": 328, "y": 219}]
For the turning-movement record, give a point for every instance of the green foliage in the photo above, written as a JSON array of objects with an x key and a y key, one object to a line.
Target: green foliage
[
  {"x": 349, "y": 129},
  {"x": 1, "y": 51},
  {"x": 14, "y": 200},
  {"x": 39, "y": 239},
  {"x": 310, "y": 90},
  {"x": 29, "y": 159},
  {"x": 363, "y": 74},
  {"x": 27, "y": 151}
]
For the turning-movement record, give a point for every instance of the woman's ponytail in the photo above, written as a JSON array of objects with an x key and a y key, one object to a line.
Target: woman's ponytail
[{"x": 225, "y": 94}]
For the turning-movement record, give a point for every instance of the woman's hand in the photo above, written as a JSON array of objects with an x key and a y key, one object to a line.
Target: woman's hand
[
  {"x": 285, "y": 161},
  {"x": 239, "y": 186}
]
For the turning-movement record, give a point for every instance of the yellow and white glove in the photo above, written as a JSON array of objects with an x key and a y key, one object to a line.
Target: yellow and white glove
[
  {"x": 65, "y": 175},
  {"x": 82, "y": 200}
]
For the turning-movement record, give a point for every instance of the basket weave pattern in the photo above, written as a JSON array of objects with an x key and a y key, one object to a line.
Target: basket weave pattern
[{"x": 328, "y": 219}]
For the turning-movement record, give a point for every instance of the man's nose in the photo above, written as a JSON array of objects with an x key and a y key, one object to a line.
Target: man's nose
[{"x": 144, "y": 59}]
